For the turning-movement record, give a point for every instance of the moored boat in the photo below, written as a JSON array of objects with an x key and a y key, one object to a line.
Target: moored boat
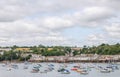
[
  {"x": 65, "y": 72},
  {"x": 104, "y": 71},
  {"x": 74, "y": 69},
  {"x": 35, "y": 70}
]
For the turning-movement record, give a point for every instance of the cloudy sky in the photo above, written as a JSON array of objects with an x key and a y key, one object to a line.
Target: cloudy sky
[{"x": 59, "y": 22}]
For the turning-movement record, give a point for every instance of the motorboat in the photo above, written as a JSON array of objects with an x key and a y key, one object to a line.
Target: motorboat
[
  {"x": 35, "y": 70},
  {"x": 25, "y": 67},
  {"x": 74, "y": 69},
  {"x": 104, "y": 71},
  {"x": 84, "y": 72},
  {"x": 65, "y": 72},
  {"x": 61, "y": 69}
]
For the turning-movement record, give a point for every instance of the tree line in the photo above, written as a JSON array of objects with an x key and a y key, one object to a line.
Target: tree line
[
  {"x": 103, "y": 49},
  {"x": 10, "y": 56}
]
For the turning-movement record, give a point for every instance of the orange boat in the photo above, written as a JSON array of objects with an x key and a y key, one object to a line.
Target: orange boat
[{"x": 78, "y": 70}]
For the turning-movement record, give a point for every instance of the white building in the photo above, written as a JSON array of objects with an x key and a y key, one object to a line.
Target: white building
[{"x": 2, "y": 50}]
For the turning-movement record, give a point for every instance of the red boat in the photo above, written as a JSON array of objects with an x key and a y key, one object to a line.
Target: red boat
[{"x": 74, "y": 69}]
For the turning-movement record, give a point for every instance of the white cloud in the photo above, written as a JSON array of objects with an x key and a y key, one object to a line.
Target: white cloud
[
  {"x": 113, "y": 30},
  {"x": 96, "y": 13},
  {"x": 88, "y": 17},
  {"x": 96, "y": 39},
  {"x": 56, "y": 22},
  {"x": 93, "y": 16},
  {"x": 26, "y": 32},
  {"x": 26, "y": 20}
]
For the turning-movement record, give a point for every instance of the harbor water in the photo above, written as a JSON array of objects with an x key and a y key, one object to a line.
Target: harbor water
[{"x": 21, "y": 72}]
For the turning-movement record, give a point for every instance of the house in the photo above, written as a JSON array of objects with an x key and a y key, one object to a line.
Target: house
[
  {"x": 2, "y": 50},
  {"x": 36, "y": 57},
  {"x": 49, "y": 49}
]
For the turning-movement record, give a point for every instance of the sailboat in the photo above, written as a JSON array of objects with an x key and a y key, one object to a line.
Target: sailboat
[
  {"x": 9, "y": 65},
  {"x": 25, "y": 64}
]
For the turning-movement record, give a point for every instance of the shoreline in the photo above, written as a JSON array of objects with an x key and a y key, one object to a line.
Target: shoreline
[{"x": 77, "y": 61}]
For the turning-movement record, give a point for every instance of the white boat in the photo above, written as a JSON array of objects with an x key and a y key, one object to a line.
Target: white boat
[
  {"x": 14, "y": 66},
  {"x": 65, "y": 72},
  {"x": 9, "y": 69},
  {"x": 25, "y": 67},
  {"x": 105, "y": 71},
  {"x": 84, "y": 72},
  {"x": 44, "y": 71},
  {"x": 35, "y": 70}
]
